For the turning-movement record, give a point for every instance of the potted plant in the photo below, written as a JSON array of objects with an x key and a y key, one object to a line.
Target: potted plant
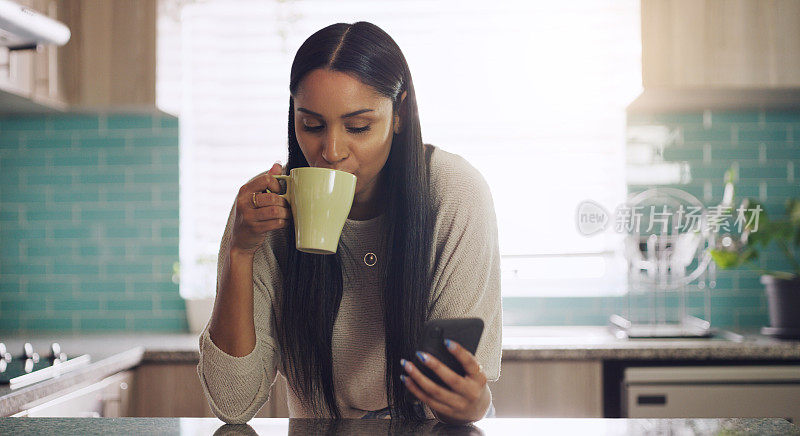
[{"x": 758, "y": 233}]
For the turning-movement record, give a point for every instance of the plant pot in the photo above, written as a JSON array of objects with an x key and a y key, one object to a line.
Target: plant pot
[{"x": 783, "y": 302}]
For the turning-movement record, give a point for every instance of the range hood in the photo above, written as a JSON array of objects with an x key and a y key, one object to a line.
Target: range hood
[{"x": 23, "y": 28}]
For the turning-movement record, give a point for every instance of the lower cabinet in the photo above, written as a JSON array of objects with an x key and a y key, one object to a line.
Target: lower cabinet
[
  {"x": 525, "y": 389},
  {"x": 110, "y": 397},
  {"x": 549, "y": 389},
  {"x": 174, "y": 390}
]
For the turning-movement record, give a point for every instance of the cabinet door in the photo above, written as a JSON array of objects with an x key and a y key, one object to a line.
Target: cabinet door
[
  {"x": 549, "y": 389},
  {"x": 174, "y": 390},
  {"x": 117, "y": 396},
  {"x": 33, "y": 73},
  {"x": 720, "y": 43}
]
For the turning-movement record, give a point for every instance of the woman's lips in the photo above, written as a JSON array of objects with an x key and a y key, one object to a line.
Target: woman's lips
[{"x": 337, "y": 169}]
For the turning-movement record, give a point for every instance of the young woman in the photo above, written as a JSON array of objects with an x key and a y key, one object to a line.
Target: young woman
[{"x": 420, "y": 243}]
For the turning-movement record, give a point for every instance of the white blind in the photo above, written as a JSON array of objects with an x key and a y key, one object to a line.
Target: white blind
[{"x": 531, "y": 93}]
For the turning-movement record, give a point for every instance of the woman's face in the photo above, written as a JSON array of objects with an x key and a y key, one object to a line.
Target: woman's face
[{"x": 343, "y": 124}]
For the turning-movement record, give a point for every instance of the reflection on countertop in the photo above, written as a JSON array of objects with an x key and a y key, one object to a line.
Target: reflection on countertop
[{"x": 501, "y": 426}]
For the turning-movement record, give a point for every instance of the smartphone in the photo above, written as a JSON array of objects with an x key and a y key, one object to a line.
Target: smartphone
[{"x": 466, "y": 331}]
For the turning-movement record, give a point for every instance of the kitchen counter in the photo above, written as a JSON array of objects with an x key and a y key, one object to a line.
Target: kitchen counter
[
  {"x": 112, "y": 353},
  {"x": 597, "y": 343},
  {"x": 541, "y": 343},
  {"x": 282, "y": 426}
]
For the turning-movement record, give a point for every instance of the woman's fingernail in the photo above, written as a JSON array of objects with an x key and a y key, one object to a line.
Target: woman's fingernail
[
  {"x": 405, "y": 364},
  {"x": 402, "y": 378},
  {"x": 449, "y": 344},
  {"x": 422, "y": 356}
]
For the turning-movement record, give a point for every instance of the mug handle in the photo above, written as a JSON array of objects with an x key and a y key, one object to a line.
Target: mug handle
[{"x": 288, "y": 180}]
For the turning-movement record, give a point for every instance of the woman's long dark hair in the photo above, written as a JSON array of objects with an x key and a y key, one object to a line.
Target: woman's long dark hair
[{"x": 313, "y": 282}]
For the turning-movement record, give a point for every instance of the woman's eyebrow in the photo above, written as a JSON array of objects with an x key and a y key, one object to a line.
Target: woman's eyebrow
[{"x": 351, "y": 114}]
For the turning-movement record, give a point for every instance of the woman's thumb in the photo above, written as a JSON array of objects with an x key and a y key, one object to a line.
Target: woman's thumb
[{"x": 276, "y": 168}]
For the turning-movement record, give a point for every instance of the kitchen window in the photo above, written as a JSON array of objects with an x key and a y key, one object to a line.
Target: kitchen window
[{"x": 531, "y": 93}]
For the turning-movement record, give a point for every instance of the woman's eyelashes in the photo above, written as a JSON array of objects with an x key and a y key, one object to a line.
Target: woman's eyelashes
[{"x": 349, "y": 129}]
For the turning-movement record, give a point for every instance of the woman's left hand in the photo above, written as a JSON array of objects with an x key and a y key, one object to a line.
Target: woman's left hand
[{"x": 468, "y": 397}]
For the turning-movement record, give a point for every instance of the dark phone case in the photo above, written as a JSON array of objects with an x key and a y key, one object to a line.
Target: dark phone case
[{"x": 465, "y": 331}]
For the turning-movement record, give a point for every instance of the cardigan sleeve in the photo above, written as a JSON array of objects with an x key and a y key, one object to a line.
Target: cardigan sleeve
[
  {"x": 237, "y": 387},
  {"x": 466, "y": 267}
]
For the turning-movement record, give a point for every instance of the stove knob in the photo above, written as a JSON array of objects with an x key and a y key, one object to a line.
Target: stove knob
[
  {"x": 3, "y": 365},
  {"x": 28, "y": 353},
  {"x": 4, "y": 354},
  {"x": 55, "y": 353}
]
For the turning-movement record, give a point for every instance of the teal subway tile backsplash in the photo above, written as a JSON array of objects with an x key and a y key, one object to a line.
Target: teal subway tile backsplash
[
  {"x": 775, "y": 132},
  {"x": 74, "y": 123},
  {"x": 729, "y": 118},
  {"x": 89, "y": 223},
  {"x": 122, "y": 122},
  {"x": 763, "y": 147},
  {"x": 27, "y": 124},
  {"x": 46, "y": 323},
  {"x": 102, "y": 323},
  {"x": 696, "y": 133},
  {"x": 89, "y": 219}
]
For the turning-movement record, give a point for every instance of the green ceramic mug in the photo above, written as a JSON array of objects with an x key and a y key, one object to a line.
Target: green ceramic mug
[{"x": 320, "y": 200}]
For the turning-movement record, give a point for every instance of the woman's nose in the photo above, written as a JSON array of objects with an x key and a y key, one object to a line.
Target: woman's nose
[{"x": 333, "y": 148}]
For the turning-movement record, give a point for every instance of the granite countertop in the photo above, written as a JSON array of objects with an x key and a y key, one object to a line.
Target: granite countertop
[
  {"x": 111, "y": 353},
  {"x": 501, "y": 426},
  {"x": 597, "y": 343},
  {"x": 541, "y": 343}
]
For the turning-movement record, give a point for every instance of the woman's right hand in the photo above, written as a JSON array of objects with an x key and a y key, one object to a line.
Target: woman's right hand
[{"x": 252, "y": 222}]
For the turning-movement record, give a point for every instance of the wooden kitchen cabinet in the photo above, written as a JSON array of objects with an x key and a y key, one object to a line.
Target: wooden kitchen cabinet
[
  {"x": 549, "y": 389},
  {"x": 526, "y": 389},
  {"x": 720, "y": 43},
  {"x": 109, "y": 61},
  {"x": 32, "y": 76},
  {"x": 174, "y": 390}
]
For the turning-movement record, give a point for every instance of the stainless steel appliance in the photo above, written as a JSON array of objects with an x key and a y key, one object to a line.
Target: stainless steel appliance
[{"x": 712, "y": 392}]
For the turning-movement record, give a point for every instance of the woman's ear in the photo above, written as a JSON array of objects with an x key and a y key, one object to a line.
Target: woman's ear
[{"x": 400, "y": 116}]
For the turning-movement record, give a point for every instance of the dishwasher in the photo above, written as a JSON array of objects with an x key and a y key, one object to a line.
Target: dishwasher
[{"x": 712, "y": 392}]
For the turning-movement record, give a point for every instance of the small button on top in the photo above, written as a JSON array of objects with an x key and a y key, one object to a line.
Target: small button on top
[{"x": 370, "y": 259}]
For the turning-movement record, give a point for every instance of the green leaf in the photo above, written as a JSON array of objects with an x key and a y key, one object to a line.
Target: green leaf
[
  {"x": 793, "y": 211},
  {"x": 797, "y": 236},
  {"x": 782, "y": 231},
  {"x": 726, "y": 259},
  {"x": 749, "y": 255},
  {"x": 729, "y": 175},
  {"x": 762, "y": 236}
]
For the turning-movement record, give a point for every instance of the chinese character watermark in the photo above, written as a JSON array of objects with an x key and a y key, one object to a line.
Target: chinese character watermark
[{"x": 591, "y": 218}]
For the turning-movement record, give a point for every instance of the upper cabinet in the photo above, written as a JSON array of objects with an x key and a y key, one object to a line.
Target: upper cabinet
[
  {"x": 29, "y": 79},
  {"x": 111, "y": 58},
  {"x": 720, "y": 43},
  {"x": 109, "y": 61}
]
